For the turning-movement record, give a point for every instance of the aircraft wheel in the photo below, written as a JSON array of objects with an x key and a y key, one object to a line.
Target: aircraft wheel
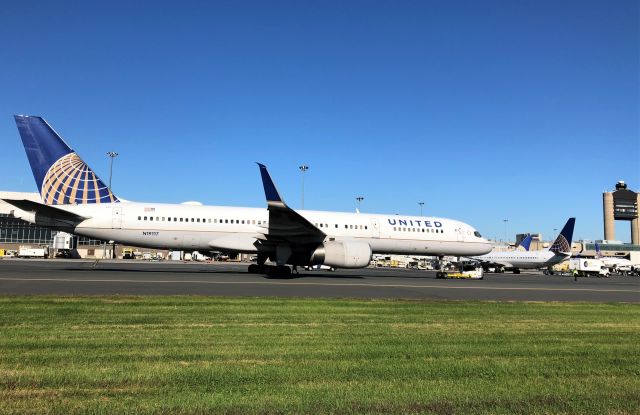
[
  {"x": 516, "y": 271},
  {"x": 281, "y": 271},
  {"x": 255, "y": 269}
]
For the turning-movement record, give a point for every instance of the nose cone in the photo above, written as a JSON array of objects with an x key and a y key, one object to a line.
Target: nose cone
[{"x": 484, "y": 246}]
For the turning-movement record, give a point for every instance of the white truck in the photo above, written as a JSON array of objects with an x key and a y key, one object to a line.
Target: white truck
[
  {"x": 29, "y": 252},
  {"x": 587, "y": 267}
]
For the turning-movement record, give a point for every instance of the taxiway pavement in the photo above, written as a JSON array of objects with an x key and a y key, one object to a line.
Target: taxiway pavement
[{"x": 84, "y": 277}]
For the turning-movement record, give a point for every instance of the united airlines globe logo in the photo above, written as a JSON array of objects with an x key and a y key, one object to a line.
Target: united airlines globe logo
[
  {"x": 71, "y": 181},
  {"x": 560, "y": 245}
]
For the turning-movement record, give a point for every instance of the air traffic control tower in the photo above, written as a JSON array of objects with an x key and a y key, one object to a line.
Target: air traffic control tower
[{"x": 621, "y": 205}]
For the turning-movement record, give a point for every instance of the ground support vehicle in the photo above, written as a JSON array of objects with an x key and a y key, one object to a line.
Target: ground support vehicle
[
  {"x": 586, "y": 267},
  {"x": 28, "y": 252},
  {"x": 462, "y": 270}
]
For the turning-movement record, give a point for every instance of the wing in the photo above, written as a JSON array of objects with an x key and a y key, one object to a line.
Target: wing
[{"x": 285, "y": 224}]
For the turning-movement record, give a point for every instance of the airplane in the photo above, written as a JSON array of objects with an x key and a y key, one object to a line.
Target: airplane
[
  {"x": 75, "y": 200},
  {"x": 517, "y": 260},
  {"x": 613, "y": 263}
]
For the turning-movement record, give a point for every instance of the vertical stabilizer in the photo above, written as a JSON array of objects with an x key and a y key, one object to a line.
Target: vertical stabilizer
[
  {"x": 526, "y": 242},
  {"x": 61, "y": 175},
  {"x": 563, "y": 241},
  {"x": 598, "y": 253}
]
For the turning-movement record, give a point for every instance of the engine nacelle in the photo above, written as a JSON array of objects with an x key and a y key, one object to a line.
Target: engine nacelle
[{"x": 351, "y": 254}]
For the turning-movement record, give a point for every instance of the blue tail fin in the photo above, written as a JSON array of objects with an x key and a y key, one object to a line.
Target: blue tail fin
[
  {"x": 598, "y": 253},
  {"x": 563, "y": 241},
  {"x": 526, "y": 242},
  {"x": 61, "y": 175}
]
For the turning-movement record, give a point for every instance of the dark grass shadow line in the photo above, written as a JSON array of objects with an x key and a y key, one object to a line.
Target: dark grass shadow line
[
  {"x": 150, "y": 271},
  {"x": 204, "y": 271},
  {"x": 302, "y": 275}
]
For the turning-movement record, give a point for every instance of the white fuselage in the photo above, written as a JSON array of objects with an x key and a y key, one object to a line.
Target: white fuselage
[
  {"x": 613, "y": 262},
  {"x": 193, "y": 227},
  {"x": 522, "y": 260}
]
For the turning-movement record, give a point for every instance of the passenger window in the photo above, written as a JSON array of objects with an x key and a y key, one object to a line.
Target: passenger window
[
  {"x": 145, "y": 218},
  {"x": 198, "y": 220},
  {"x": 163, "y": 218},
  {"x": 226, "y": 221},
  {"x": 365, "y": 226},
  {"x": 346, "y": 227},
  {"x": 150, "y": 217},
  {"x": 169, "y": 219},
  {"x": 139, "y": 217},
  {"x": 181, "y": 219},
  {"x": 175, "y": 219},
  {"x": 336, "y": 226}
]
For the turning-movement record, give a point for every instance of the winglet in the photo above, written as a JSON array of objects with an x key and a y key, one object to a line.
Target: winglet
[
  {"x": 270, "y": 190},
  {"x": 563, "y": 241}
]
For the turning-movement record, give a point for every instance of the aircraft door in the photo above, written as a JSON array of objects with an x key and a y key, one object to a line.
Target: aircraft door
[
  {"x": 460, "y": 234},
  {"x": 375, "y": 228},
  {"x": 116, "y": 217}
]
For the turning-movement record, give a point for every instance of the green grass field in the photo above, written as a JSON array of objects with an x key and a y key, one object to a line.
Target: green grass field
[{"x": 221, "y": 355}]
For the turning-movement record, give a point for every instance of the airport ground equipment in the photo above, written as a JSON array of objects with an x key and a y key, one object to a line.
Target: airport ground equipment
[
  {"x": 29, "y": 252},
  {"x": 587, "y": 267},
  {"x": 127, "y": 253},
  {"x": 462, "y": 270}
]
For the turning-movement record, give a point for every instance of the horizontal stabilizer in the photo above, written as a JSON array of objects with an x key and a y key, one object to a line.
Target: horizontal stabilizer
[{"x": 45, "y": 210}]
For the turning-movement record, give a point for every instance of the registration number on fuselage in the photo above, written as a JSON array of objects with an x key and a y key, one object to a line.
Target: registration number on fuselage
[{"x": 150, "y": 233}]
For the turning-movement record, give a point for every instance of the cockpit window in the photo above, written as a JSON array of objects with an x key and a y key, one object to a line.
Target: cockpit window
[{"x": 476, "y": 233}]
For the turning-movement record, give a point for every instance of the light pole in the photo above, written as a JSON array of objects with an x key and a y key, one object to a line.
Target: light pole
[
  {"x": 303, "y": 168},
  {"x": 505, "y": 229},
  {"x": 112, "y": 155},
  {"x": 421, "y": 205},
  {"x": 359, "y": 199}
]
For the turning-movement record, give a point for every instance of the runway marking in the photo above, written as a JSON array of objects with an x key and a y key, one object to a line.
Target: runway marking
[{"x": 346, "y": 284}]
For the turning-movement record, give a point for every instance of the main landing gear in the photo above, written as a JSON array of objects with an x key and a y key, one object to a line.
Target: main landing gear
[{"x": 280, "y": 271}]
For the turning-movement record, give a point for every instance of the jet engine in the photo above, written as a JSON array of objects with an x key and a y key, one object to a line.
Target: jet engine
[{"x": 350, "y": 254}]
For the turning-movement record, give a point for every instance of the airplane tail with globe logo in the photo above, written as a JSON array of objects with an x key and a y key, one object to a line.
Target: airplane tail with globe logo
[
  {"x": 562, "y": 244},
  {"x": 61, "y": 175}
]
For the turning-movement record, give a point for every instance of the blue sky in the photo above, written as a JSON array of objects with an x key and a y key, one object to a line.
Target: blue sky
[{"x": 489, "y": 110}]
